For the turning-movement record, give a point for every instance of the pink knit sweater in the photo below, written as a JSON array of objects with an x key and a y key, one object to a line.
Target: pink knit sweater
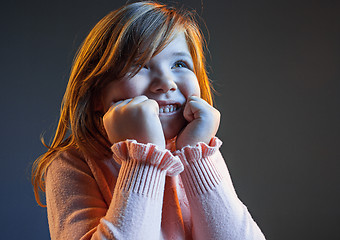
[{"x": 146, "y": 193}]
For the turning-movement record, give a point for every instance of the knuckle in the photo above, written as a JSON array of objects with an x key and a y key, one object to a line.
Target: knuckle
[
  {"x": 141, "y": 98},
  {"x": 153, "y": 102}
]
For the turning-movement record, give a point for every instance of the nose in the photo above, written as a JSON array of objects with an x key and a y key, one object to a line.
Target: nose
[{"x": 162, "y": 82}]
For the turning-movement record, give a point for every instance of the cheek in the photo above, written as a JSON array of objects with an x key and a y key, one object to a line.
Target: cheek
[
  {"x": 197, "y": 91},
  {"x": 113, "y": 92},
  {"x": 127, "y": 91},
  {"x": 121, "y": 90},
  {"x": 133, "y": 87},
  {"x": 191, "y": 87}
]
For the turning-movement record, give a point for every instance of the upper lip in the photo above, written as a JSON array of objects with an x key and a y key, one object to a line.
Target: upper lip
[{"x": 168, "y": 102}]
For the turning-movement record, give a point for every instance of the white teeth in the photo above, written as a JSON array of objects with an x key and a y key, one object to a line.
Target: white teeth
[{"x": 167, "y": 108}]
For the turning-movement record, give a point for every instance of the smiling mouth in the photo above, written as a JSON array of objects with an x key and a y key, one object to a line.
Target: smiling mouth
[{"x": 169, "y": 108}]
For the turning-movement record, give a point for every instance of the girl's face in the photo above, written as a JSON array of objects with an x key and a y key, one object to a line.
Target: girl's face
[{"x": 168, "y": 78}]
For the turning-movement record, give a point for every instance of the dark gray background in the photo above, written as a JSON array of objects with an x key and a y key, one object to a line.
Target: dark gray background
[{"x": 275, "y": 65}]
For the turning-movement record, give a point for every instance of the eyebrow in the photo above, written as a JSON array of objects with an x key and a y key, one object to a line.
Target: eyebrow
[{"x": 181, "y": 54}]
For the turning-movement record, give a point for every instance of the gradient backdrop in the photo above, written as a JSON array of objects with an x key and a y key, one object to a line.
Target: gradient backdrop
[{"x": 275, "y": 66}]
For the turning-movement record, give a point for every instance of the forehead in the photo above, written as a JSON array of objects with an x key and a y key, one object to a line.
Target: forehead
[{"x": 178, "y": 46}]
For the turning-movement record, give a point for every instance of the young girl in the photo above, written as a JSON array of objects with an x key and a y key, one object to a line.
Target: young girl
[{"x": 135, "y": 154}]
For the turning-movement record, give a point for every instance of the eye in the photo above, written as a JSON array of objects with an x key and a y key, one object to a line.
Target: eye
[
  {"x": 180, "y": 64},
  {"x": 142, "y": 67}
]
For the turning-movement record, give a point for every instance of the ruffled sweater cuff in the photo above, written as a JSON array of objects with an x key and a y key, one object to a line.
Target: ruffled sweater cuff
[
  {"x": 144, "y": 167},
  {"x": 148, "y": 154},
  {"x": 200, "y": 173}
]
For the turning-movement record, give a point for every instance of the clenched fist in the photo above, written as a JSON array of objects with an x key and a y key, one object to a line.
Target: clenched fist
[
  {"x": 203, "y": 122},
  {"x": 136, "y": 118}
]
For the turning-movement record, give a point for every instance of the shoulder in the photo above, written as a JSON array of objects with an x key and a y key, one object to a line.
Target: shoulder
[
  {"x": 67, "y": 162},
  {"x": 69, "y": 175}
]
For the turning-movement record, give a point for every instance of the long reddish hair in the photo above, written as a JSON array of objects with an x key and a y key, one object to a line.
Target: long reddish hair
[{"x": 129, "y": 36}]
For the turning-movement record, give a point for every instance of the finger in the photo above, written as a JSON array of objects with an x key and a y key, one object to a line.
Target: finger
[
  {"x": 153, "y": 104},
  {"x": 188, "y": 112},
  {"x": 198, "y": 99},
  {"x": 119, "y": 104},
  {"x": 193, "y": 108},
  {"x": 144, "y": 100},
  {"x": 138, "y": 99},
  {"x": 145, "y": 103},
  {"x": 114, "y": 104}
]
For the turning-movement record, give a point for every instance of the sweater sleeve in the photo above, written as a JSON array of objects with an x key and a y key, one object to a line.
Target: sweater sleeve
[
  {"x": 217, "y": 212},
  {"x": 76, "y": 209}
]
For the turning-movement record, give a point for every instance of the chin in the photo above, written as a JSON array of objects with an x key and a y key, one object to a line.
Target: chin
[
  {"x": 171, "y": 132},
  {"x": 172, "y": 126}
]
